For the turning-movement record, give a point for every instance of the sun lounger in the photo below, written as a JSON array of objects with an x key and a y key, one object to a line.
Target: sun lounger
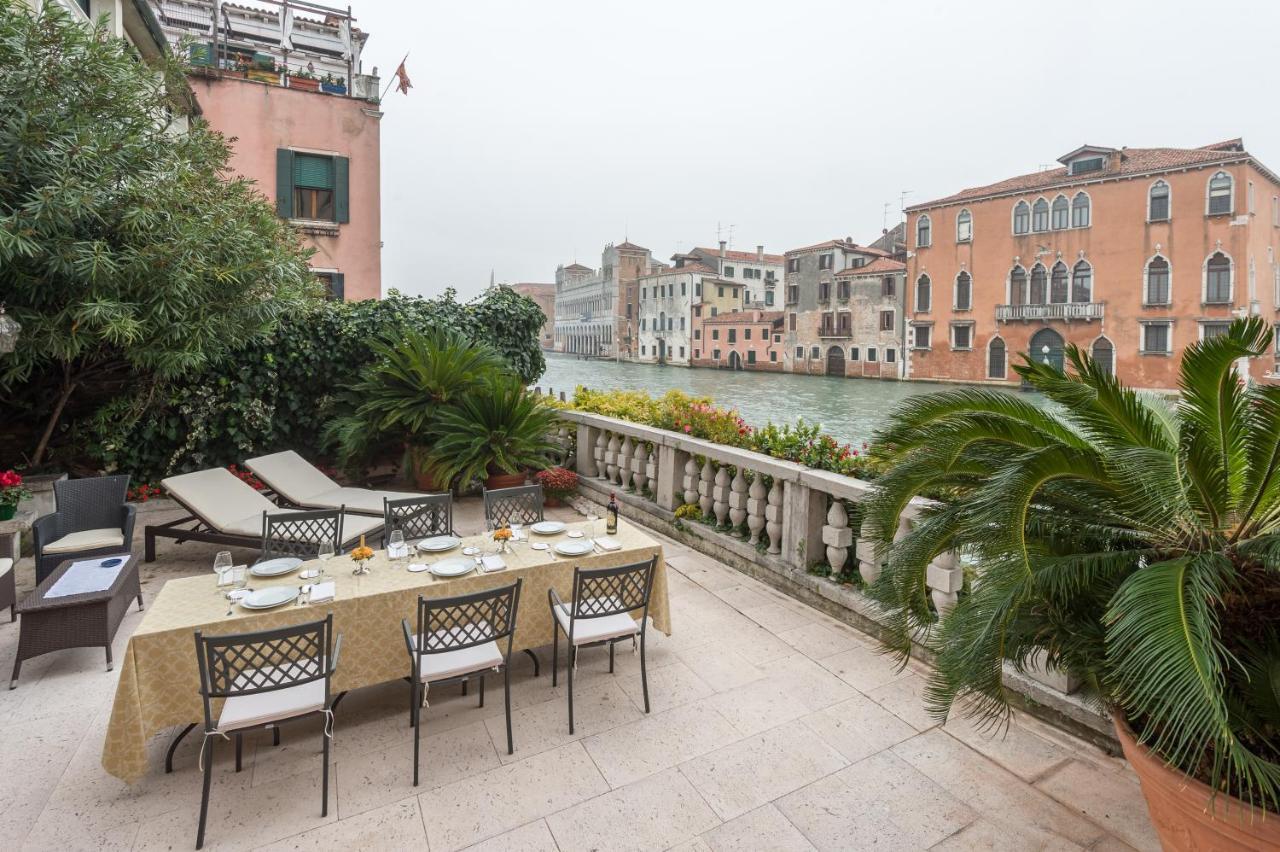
[
  {"x": 300, "y": 483},
  {"x": 225, "y": 510}
]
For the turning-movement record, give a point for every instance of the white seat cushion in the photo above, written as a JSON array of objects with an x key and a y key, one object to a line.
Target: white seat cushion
[
  {"x": 246, "y": 711},
  {"x": 588, "y": 630},
  {"x": 448, "y": 664},
  {"x": 221, "y": 500},
  {"x": 86, "y": 540},
  {"x": 292, "y": 476},
  {"x": 356, "y": 499}
]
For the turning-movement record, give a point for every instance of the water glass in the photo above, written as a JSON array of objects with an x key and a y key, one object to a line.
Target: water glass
[
  {"x": 396, "y": 548},
  {"x": 515, "y": 533},
  {"x": 592, "y": 517},
  {"x": 221, "y": 564},
  {"x": 239, "y": 578},
  {"x": 326, "y": 553}
]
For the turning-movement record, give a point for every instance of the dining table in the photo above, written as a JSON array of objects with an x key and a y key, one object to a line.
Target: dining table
[{"x": 159, "y": 686}]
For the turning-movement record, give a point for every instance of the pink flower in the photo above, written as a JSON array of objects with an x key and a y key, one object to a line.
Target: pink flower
[{"x": 687, "y": 428}]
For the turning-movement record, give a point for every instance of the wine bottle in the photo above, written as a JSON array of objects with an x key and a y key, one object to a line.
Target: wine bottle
[{"x": 611, "y": 516}]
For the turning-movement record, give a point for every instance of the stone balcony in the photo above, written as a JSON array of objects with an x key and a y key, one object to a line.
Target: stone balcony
[
  {"x": 1087, "y": 311},
  {"x": 828, "y": 331}
]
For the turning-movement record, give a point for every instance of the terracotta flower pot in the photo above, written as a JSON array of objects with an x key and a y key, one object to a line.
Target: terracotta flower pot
[
  {"x": 1184, "y": 811},
  {"x": 304, "y": 83},
  {"x": 504, "y": 480}
]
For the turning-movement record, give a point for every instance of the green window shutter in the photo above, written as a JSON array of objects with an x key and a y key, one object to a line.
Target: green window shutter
[
  {"x": 339, "y": 288},
  {"x": 284, "y": 183},
  {"x": 312, "y": 172},
  {"x": 341, "y": 192}
]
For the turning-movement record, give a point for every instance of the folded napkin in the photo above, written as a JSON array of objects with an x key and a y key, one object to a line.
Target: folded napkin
[
  {"x": 492, "y": 563},
  {"x": 606, "y": 543},
  {"x": 227, "y": 577},
  {"x": 400, "y": 552},
  {"x": 323, "y": 591},
  {"x": 518, "y": 535}
]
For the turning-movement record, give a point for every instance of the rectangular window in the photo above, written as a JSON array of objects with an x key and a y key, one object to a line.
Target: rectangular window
[
  {"x": 824, "y": 261},
  {"x": 922, "y": 336},
  {"x": 961, "y": 337},
  {"x": 715, "y": 353},
  {"x": 1213, "y": 329},
  {"x": 746, "y": 334},
  {"x": 684, "y": 285},
  {"x": 1093, "y": 164},
  {"x": 728, "y": 272},
  {"x": 886, "y": 320},
  {"x": 681, "y": 351},
  {"x": 1217, "y": 283},
  {"x": 697, "y": 289},
  {"x": 824, "y": 292},
  {"x": 733, "y": 335},
  {"x": 773, "y": 355},
  {"x": 793, "y": 264},
  {"x": 890, "y": 355},
  {"x": 888, "y": 287},
  {"x": 697, "y": 353},
  {"x": 334, "y": 284},
  {"x": 642, "y": 348},
  {"x": 793, "y": 294},
  {"x": 854, "y": 353},
  {"x": 697, "y": 334},
  {"x": 715, "y": 334},
  {"x": 842, "y": 290},
  {"x": 791, "y": 322},
  {"x": 313, "y": 188},
  {"x": 815, "y": 353},
  {"x": 751, "y": 356},
  {"x": 720, "y": 292},
  {"x": 871, "y": 353},
  {"x": 799, "y": 353},
  {"x": 768, "y": 298},
  {"x": 1155, "y": 338},
  {"x": 714, "y": 310},
  {"x": 682, "y": 323}
]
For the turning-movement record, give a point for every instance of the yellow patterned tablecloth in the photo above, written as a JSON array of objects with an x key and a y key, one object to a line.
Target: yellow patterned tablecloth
[{"x": 159, "y": 684}]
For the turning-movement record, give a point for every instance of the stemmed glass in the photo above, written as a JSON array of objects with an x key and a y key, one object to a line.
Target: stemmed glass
[
  {"x": 221, "y": 564},
  {"x": 326, "y": 553},
  {"x": 395, "y": 546}
]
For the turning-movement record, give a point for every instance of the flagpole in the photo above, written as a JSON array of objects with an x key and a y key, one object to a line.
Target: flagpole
[{"x": 388, "y": 88}]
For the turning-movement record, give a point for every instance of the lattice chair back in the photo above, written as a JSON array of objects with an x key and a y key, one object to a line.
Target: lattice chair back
[
  {"x": 90, "y": 504},
  {"x": 451, "y": 624},
  {"x": 263, "y": 661},
  {"x": 300, "y": 533},
  {"x": 419, "y": 517},
  {"x": 520, "y": 505},
  {"x": 598, "y": 592}
]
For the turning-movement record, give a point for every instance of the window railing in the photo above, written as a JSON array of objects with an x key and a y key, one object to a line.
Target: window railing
[
  {"x": 1060, "y": 311},
  {"x": 834, "y": 331}
]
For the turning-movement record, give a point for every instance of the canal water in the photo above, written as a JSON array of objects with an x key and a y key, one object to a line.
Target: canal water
[{"x": 849, "y": 409}]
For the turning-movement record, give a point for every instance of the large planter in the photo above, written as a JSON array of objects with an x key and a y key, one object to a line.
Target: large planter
[
  {"x": 7, "y": 511},
  {"x": 304, "y": 83},
  {"x": 1186, "y": 814},
  {"x": 504, "y": 480},
  {"x": 264, "y": 76},
  {"x": 334, "y": 88}
]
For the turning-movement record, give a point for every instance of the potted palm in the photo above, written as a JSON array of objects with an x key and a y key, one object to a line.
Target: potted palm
[
  {"x": 394, "y": 404},
  {"x": 495, "y": 434},
  {"x": 1132, "y": 542}
]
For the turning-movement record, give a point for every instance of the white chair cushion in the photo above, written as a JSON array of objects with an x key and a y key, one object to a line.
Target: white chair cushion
[
  {"x": 356, "y": 499},
  {"x": 448, "y": 664},
  {"x": 293, "y": 476},
  {"x": 86, "y": 540},
  {"x": 588, "y": 630},
  {"x": 221, "y": 500},
  {"x": 246, "y": 711},
  {"x": 6, "y": 565},
  {"x": 354, "y": 526}
]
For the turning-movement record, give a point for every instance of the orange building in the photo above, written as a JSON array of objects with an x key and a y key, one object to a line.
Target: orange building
[
  {"x": 738, "y": 340},
  {"x": 1129, "y": 253}
]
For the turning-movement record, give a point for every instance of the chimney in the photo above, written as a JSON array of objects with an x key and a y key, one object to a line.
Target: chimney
[
  {"x": 722, "y": 245},
  {"x": 759, "y": 254}
]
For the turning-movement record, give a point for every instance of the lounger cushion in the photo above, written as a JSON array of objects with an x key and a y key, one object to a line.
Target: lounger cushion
[
  {"x": 221, "y": 500},
  {"x": 6, "y": 565},
  {"x": 86, "y": 540},
  {"x": 293, "y": 477},
  {"x": 357, "y": 499},
  {"x": 588, "y": 630}
]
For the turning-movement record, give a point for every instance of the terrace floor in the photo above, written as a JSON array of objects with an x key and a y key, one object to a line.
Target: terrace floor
[{"x": 773, "y": 727}]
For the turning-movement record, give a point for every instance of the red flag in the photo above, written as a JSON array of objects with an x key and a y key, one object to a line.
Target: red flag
[{"x": 402, "y": 78}]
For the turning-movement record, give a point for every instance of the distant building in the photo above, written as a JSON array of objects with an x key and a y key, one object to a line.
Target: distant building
[
  {"x": 667, "y": 301},
  {"x": 286, "y": 81},
  {"x": 1129, "y": 253},
  {"x": 545, "y": 297},
  {"x": 739, "y": 340},
  {"x": 597, "y": 312},
  {"x": 862, "y": 330},
  {"x": 757, "y": 272}
]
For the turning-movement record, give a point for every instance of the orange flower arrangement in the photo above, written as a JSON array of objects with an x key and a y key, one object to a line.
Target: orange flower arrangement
[
  {"x": 362, "y": 552},
  {"x": 502, "y": 534}
]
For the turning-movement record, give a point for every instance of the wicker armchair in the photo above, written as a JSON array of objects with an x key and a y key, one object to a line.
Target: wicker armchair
[{"x": 91, "y": 513}]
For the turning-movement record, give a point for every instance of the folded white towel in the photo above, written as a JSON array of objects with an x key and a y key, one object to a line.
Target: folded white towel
[
  {"x": 323, "y": 591},
  {"x": 607, "y": 543},
  {"x": 493, "y": 563}
]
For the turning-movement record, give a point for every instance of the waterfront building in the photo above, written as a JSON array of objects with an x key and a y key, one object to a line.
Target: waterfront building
[
  {"x": 757, "y": 272},
  {"x": 810, "y": 292},
  {"x": 1129, "y": 253},
  {"x": 286, "y": 82},
  {"x": 667, "y": 300},
  {"x": 544, "y": 295},
  {"x": 597, "y": 311},
  {"x": 861, "y": 329},
  {"x": 739, "y": 340}
]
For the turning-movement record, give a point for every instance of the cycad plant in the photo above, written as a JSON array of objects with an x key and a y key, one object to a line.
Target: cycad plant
[
  {"x": 1135, "y": 542},
  {"x": 399, "y": 397},
  {"x": 498, "y": 428}
]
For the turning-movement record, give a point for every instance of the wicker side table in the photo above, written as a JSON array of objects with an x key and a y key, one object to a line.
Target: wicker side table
[{"x": 74, "y": 621}]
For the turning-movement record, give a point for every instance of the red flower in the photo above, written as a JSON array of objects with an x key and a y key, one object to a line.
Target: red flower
[{"x": 10, "y": 479}]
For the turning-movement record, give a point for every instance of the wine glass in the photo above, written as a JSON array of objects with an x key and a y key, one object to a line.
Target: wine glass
[
  {"x": 324, "y": 555},
  {"x": 395, "y": 545},
  {"x": 221, "y": 564}
]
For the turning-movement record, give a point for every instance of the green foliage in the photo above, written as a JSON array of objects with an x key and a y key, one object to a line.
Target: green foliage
[
  {"x": 127, "y": 248},
  {"x": 1137, "y": 546}
]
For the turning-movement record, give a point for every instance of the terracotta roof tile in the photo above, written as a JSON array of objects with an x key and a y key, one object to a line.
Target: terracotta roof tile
[
  {"x": 879, "y": 266},
  {"x": 699, "y": 268},
  {"x": 844, "y": 244},
  {"x": 578, "y": 267},
  {"x": 626, "y": 244},
  {"x": 739, "y": 256}
]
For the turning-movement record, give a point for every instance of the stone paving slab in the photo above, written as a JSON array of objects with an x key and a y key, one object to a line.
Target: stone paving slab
[{"x": 772, "y": 726}]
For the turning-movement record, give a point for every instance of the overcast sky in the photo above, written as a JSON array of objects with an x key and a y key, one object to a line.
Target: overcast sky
[{"x": 537, "y": 132}]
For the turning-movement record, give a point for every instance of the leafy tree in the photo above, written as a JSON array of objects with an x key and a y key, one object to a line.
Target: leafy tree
[
  {"x": 127, "y": 249},
  {"x": 1136, "y": 543}
]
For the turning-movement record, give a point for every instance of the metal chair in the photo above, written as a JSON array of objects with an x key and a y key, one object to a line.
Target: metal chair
[
  {"x": 458, "y": 639},
  {"x": 300, "y": 533},
  {"x": 521, "y": 505},
  {"x": 418, "y": 517},
  {"x": 265, "y": 678},
  {"x": 603, "y": 600},
  {"x": 92, "y": 519}
]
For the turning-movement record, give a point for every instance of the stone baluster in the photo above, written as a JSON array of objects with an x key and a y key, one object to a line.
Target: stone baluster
[
  {"x": 640, "y": 467},
  {"x": 868, "y": 565},
  {"x": 601, "y": 449},
  {"x": 690, "y": 481},
  {"x": 651, "y": 472},
  {"x": 738, "y": 500},
  {"x": 720, "y": 496},
  {"x": 756, "y": 504},
  {"x": 773, "y": 518},
  {"x": 611, "y": 458},
  {"x": 837, "y": 536},
  {"x": 706, "y": 487},
  {"x": 944, "y": 577},
  {"x": 624, "y": 463}
]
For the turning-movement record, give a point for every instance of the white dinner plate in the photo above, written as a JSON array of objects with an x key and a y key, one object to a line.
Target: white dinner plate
[
  {"x": 270, "y": 597},
  {"x": 574, "y": 547},
  {"x": 275, "y": 567},
  {"x": 471, "y": 551},
  {"x": 548, "y": 527},
  {"x": 574, "y": 533},
  {"x": 438, "y": 544},
  {"x": 453, "y": 567}
]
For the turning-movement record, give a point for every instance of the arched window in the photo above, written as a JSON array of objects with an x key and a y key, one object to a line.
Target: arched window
[
  {"x": 1104, "y": 355},
  {"x": 922, "y": 231},
  {"x": 1040, "y": 215},
  {"x": 1158, "y": 202},
  {"x": 1217, "y": 279},
  {"x": 1080, "y": 211},
  {"x": 964, "y": 292},
  {"x": 1018, "y": 286},
  {"x": 1220, "y": 194},
  {"x": 1082, "y": 282},
  {"x": 1061, "y": 213},
  {"x": 1058, "y": 284},
  {"x": 1157, "y": 289},
  {"x": 964, "y": 226},
  {"x": 1039, "y": 286},
  {"x": 924, "y": 293},
  {"x": 1021, "y": 218},
  {"x": 996, "y": 359}
]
